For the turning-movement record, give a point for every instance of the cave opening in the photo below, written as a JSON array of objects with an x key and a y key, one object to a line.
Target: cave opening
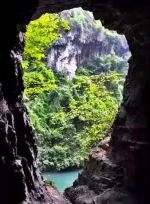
[
  {"x": 122, "y": 173},
  {"x": 74, "y": 73}
]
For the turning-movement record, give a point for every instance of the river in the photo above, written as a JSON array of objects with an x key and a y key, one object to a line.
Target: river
[{"x": 62, "y": 180}]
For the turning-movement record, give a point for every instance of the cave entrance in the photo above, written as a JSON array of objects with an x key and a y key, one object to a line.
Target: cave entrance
[{"x": 74, "y": 72}]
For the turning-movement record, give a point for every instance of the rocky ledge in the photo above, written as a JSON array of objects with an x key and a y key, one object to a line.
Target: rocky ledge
[
  {"x": 100, "y": 182},
  {"x": 57, "y": 198}
]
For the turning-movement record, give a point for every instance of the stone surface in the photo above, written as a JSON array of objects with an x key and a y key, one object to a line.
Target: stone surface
[
  {"x": 125, "y": 163},
  {"x": 82, "y": 42},
  {"x": 56, "y": 197}
]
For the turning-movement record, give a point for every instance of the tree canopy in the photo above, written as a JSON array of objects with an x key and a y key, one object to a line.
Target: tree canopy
[
  {"x": 72, "y": 119},
  {"x": 40, "y": 34},
  {"x": 69, "y": 117}
]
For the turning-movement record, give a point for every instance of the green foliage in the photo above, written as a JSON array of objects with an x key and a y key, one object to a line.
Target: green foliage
[
  {"x": 83, "y": 19},
  {"x": 78, "y": 16},
  {"x": 92, "y": 113},
  {"x": 73, "y": 118},
  {"x": 40, "y": 34},
  {"x": 69, "y": 117},
  {"x": 106, "y": 64},
  {"x": 38, "y": 81},
  {"x": 98, "y": 24},
  {"x": 81, "y": 71},
  {"x": 48, "y": 182}
]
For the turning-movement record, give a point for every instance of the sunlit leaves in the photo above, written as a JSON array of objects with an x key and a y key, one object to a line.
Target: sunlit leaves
[
  {"x": 37, "y": 82},
  {"x": 95, "y": 109},
  {"x": 40, "y": 34},
  {"x": 72, "y": 118},
  {"x": 69, "y": 117}
]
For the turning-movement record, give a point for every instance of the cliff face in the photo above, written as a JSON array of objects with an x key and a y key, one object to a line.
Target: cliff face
[
  {"x": 125, "y": 160},
  {"x": 86, "y": 38}
]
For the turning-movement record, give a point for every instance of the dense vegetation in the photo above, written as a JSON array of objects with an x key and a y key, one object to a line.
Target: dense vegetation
[
  {"x": 40, "y": 34},
  {"x": 69, "y": 116}
]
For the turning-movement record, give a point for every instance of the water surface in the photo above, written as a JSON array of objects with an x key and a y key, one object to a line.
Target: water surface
[{"x": 62, "y": 180}]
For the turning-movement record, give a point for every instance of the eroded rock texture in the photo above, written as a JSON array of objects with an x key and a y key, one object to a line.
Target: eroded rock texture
[
  {"x": 19, "y": 178},
  {"x": 83, "y": 42},
  {"x": 124, "y": 164}
]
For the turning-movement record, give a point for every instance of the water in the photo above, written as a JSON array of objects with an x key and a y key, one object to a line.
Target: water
[{"x": 62, "y": 180}]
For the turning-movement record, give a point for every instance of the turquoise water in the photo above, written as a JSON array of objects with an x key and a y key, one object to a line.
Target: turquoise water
[{"x": 62, "y": 180}]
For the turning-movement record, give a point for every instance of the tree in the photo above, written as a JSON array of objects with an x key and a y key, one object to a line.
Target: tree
[
  {"x": 40, "y": 34},
  {"x": 69, "y": 117},
  {"x": 73, "y": 117},
  {"x": 94, "y": 110},
  {"x": 106, "y": 63}
]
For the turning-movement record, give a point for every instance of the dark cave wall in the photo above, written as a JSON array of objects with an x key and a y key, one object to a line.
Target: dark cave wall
[
  {"x": 124, "y": 164},
  {"x": 19, "y": 178},
  {"x": 130, "y": 136}
]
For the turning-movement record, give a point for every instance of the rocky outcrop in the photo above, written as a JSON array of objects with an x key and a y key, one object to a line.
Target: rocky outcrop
[
  {"x": 85, "y": 39},
  {"x": 56, "y": 197},
  {"x": 123, "y": 165},
  {"x": 20, "y": 181},
  {"x": 100, "y": 181}
]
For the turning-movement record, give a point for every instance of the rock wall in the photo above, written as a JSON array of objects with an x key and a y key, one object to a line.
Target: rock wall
[
  {"x": 84, "y": 40},
  {"x": 120, "y": 165},
  {"x": 126, "y": 159},
  {"x": 19, "y": 178}
]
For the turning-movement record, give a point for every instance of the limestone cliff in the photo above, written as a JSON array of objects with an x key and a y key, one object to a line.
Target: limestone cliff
[{"x": 86, "y": 38}]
